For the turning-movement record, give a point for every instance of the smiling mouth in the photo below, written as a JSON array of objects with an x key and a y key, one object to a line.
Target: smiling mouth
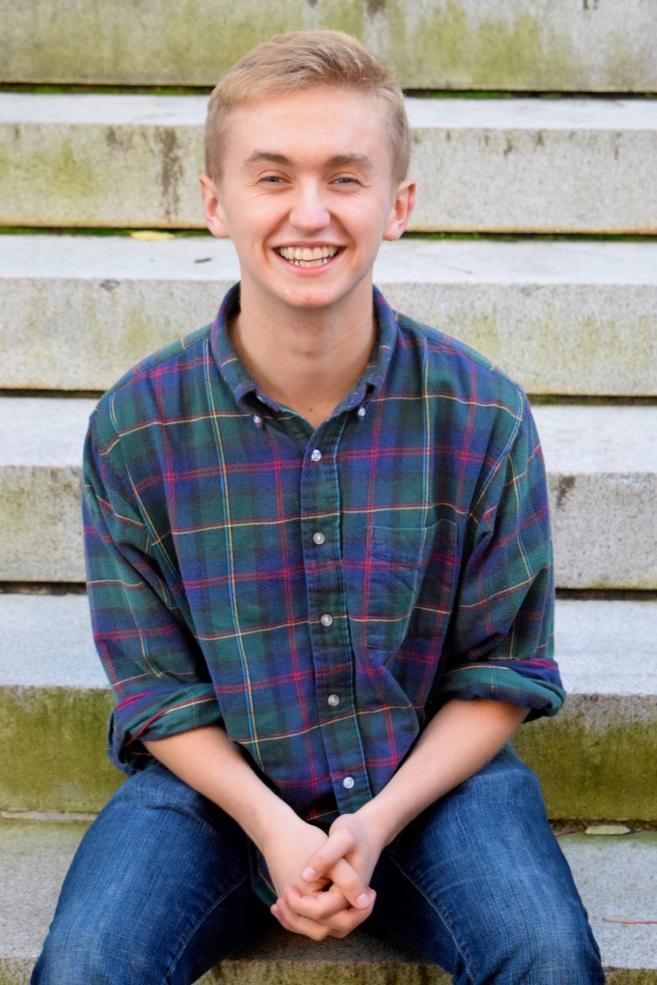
[{"x": 306, "y": 256}]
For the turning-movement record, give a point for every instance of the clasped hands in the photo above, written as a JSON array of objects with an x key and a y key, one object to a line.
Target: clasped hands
[{"x": 322, "y": 880}]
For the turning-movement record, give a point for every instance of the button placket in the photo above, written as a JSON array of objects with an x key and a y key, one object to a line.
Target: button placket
[{"x": 329, "y": 635}]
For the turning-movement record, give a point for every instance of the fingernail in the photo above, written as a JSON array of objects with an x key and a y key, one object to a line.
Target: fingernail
[
  {"x": 363, "y": 900},
  {"x": 309, "y": 874}
]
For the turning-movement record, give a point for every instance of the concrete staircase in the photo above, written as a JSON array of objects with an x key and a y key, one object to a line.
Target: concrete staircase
[{"x": 563, "y": 141}]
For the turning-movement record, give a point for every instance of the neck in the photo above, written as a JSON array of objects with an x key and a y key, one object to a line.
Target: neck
[{"x": 307, "y": 359}]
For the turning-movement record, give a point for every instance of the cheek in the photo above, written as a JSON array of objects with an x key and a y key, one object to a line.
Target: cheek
[{"x": 372, "y": 228}]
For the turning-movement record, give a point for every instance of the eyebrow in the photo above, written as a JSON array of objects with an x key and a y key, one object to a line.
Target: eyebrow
[{"x": 337, "y": 161}]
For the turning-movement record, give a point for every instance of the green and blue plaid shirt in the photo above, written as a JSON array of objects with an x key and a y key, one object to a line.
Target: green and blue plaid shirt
[{"x": 318, "y": 592}]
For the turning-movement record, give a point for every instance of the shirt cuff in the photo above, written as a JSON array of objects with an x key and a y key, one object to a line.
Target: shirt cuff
[
  {"x": 503, "y": 684},
  {"x": 184, "y": 709}
]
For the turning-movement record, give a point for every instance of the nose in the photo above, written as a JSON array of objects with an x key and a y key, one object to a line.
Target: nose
[{"x": 309, "y": 211}]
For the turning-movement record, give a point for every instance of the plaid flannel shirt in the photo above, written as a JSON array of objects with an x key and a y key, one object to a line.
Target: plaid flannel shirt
[{"x": 318, "y": 592}]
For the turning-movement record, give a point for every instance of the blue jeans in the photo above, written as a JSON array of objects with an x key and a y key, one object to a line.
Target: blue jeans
[{"x": 159, "y": 889}]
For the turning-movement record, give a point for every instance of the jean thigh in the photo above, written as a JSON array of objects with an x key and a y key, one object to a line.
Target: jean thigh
[
  {"x": 158, "y": 890},
  {"x": 489, "y": 893}
]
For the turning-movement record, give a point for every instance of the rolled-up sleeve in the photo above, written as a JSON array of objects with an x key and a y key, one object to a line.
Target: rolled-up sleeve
[
  {"x": 154, "y": 665},
  {"x": 502, "y": 642}
]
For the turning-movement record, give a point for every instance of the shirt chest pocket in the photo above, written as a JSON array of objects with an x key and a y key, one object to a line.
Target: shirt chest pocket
[{"x": 408, "y": 571}]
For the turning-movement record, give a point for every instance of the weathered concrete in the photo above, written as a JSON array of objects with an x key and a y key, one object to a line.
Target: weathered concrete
[
  {"x": 596, "y": 759},
  {"x": 604, "y": 647},
  {"x": 607, "y": 647},
  {"x": 40, "y": 452},
  {"x": 46, "y": 641},
  {"x": 548, "y": 165},
  {"x": 613, "y": 876},
  {"x": 602, "y": 465},
  {"x": 575, "y": 318},
  {"x": 603, "y": 481},
  {"x": 478, "y": 44}
]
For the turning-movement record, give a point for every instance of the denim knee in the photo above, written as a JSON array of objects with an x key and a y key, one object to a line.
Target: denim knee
[
  {"x": 545, "y": 952},
  {"x": 75, "y": 953}
]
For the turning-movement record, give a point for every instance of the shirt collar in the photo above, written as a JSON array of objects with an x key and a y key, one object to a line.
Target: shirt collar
[{"x": 242, "y": 384}]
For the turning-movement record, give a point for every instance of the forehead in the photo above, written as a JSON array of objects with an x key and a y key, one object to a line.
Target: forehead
[{"x": 319, "y": 124}]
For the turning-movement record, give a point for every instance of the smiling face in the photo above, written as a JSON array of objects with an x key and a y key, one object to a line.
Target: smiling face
[{"x": 307, "y": 194}]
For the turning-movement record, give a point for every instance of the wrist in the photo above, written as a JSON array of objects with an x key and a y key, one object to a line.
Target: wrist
[
  {"x": 379, "y": 829},
  {"x": 273, "y": 819}
]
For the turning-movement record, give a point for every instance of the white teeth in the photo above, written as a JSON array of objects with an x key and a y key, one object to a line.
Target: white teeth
[{"x": 307, "y": 256}]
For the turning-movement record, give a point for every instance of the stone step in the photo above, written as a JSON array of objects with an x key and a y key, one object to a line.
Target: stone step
[
  {"x": 596, "y": 759},
  {"x": 482, "y": 165},
  {"x": 602, "y": 464},
  {"x": 562, "y": 317},
  {"x": 463, "y": 44},
  {"x": 612, "y": 873}
]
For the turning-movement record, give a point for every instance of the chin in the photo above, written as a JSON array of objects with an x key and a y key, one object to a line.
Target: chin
[{"x": 312, "y": 299}]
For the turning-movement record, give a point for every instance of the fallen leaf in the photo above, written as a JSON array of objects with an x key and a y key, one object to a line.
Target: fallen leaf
[
  {"x": 150, "y": 234},
  {"x": 608, "y": 829}
]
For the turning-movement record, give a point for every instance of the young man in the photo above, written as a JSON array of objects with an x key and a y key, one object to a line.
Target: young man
[{"x": 320, "y": 577}]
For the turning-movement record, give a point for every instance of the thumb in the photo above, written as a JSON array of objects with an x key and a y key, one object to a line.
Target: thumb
[{"x": 334, "y": 848}]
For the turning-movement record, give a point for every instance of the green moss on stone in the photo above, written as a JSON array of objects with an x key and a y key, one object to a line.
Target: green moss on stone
[
  {"x": 452, "y": 48},
  {"x": 446, "y": 43},
  {"x": 630, "y": 976},
  {"x": 282, "y": 971},
  {"x": 41, "y": 174},
  {"x": 590, "y": 768},
  {"x": 54, "y": 757},
  {"x": 66, "y": 174},
  {"x": 350, "y": 16},
  {"x": 53, "y": 749}
]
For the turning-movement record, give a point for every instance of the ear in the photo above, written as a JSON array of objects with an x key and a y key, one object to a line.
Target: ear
[
  {"x": 400, "y": 213},
  {"x": 215, "y": 218}
]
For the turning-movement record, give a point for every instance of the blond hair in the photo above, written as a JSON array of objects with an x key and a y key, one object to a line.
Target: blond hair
[{"x": 299, "y": 60}]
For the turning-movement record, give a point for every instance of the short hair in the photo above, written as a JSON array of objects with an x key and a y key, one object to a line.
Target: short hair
[{"x": 301, "y": 60}]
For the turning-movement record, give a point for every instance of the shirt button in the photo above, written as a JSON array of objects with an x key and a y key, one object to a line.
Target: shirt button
[
  {"x": 361, "y": 412},
  {"x": 333, "y": 700},
  {"x": 315, "y": 455},
  {"x": 348, "y": 782},
  {"x": 257, "y": 420},
  {"x": 318, "y": 538},
  {"x": 326, "y": 619}
]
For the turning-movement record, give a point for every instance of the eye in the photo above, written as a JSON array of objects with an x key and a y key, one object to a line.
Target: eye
[
  {"x": 345, "y": 179},
  {"x": 270, "y": 179}
]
